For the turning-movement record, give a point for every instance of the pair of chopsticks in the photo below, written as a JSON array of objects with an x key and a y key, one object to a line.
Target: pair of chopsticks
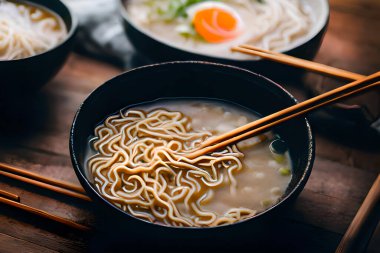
[
  {"x": 351, "y": 241},
  {"x": 297, "y": 62},
  {"x": 51, "y": 184},
  {"x": 11, "y": 200},
  {"x": 58, "y": 186},
  {"x": 361, "y": 83},
  {"x": 264, "y": 124}
]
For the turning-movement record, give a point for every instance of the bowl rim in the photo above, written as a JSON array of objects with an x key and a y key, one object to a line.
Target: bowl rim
[
  {"x": 79, "y": 170},
  {"x": 69, "y": 35},
  {"x": 320, "y": 24}
]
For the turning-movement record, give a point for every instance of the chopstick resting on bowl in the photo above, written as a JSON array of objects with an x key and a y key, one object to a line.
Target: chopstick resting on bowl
[
  {"x": 13, "y": 200},
  {"x": 297, "y": 62},
  {"x": 47, "y": 183},
  {"x": 265, "y": 123}
]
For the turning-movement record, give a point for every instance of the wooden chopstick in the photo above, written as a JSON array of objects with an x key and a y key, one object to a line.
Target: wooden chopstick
[
  {"x": 46, "y": 186},
  {"x": 291, "y": 112},
  {"x": 44, "y": 179},
  {"x": 44, "y": 214},
  {"x": 9, "y": 195},
  {"x": 297, "y": 62},
  {"x": 360, "y": 223},
  {"x": 55, "y": 185}
]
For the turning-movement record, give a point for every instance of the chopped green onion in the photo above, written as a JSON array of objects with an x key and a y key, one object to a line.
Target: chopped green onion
[
  {"x": 284, "y": 171},
  {"x": 279, "y": 158},
  {"x": 177, "y": 8}
]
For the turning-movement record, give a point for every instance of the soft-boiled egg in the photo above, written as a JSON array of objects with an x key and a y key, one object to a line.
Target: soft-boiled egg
[{"x": 216, "y": 22}]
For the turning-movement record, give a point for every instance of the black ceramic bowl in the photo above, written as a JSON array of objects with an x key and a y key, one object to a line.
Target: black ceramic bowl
[
  {"x": 159, "y": 49},
  {"x": 189, "y": 79},
  {"x": 23, "y": 76}
]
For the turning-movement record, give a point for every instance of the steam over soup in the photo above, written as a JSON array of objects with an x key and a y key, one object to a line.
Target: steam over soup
[
  {"x": 213, "y": 27},
  {"x": 137, "y": 161}
]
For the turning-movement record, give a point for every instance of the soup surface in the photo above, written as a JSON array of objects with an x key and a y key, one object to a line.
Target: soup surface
[
  {"x": 27, "y": 29},
  {"x": 220, "y": 188},
  {"x": 213, "y": 27}
]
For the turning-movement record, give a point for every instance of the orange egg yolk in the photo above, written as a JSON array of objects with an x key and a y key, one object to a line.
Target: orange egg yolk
[{"x": 216, "y": 25}]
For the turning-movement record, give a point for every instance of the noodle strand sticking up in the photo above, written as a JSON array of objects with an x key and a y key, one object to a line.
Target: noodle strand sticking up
[
  {"x": 141, "y": 168},
  {"x": 26, "y": 30}
]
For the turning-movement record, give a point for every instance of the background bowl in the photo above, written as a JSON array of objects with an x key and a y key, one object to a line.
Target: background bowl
[
  {"x": 188, "y": 79},
  {"x": 158, "y": 49},
  {"x": 23, "y": 76}
]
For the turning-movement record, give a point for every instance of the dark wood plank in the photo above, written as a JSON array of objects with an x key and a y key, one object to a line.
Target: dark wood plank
[
  {"x": 332, "y": 196},
  {"x": 352, "y": 39},
  {"x": 52, "y": 165},
  {"x": 340, "y": 181},
  {"x": 28, "y": 228},
  {"x": 11, "y": 245},
  {"x": 349, "y": 156}
]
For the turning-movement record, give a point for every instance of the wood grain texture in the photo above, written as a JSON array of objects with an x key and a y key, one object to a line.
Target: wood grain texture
[
  {"x": 36, "y": 138},
  {"x": 356, "y": 237},
  {"x": 10, "y": 245}
]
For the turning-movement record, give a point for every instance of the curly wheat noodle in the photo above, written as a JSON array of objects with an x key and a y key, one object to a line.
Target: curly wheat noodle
[
  {"x": 141, "y": 168},
  {"x": 27, "y": 30}
]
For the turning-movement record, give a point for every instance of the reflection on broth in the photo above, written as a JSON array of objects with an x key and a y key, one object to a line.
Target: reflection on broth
[{"x": 137, "y": 161}]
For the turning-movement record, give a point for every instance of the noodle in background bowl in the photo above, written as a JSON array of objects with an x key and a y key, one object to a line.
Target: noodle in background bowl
[
  {"x": 22, "y": 76},
  {"x": 197, "y": 80},
  {"x": 158, "y": 48}
]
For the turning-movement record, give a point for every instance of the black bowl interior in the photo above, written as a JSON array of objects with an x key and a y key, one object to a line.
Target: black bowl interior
[
  {"x": 22, "y": 76},
  {"x": 192, "y": 79}
]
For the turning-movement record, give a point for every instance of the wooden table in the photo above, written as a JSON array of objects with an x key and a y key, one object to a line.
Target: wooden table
[{"x": 36, "y": 138}]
